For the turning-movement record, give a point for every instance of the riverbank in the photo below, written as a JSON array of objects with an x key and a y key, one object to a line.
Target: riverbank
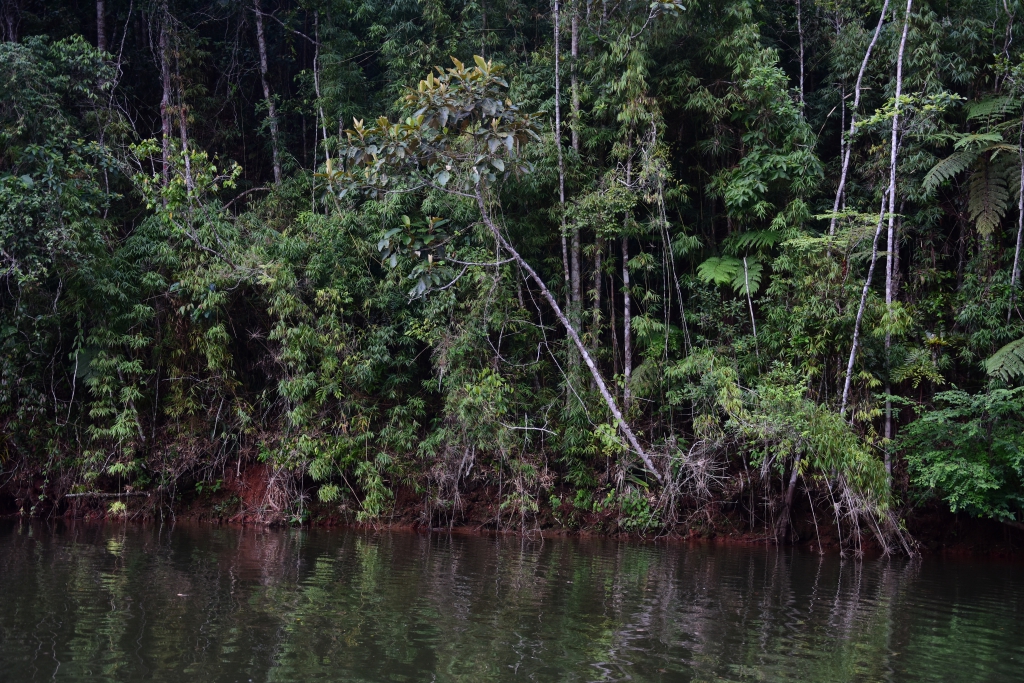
[{"x": 246, "y": 497}]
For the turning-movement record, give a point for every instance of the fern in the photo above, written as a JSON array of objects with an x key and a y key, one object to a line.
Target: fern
[
  {"x": 752, "y": 276},
  {"x": 754, "y": 239},
  {"x": 917, "y": 367},
  {"x": 728, "y": 270},
  {"x": 979, "y": 141},
  {"x": 1008, "y": 362},
  {"x": 955, "y": 163},
  {"x": 989, "y": 197},
  {"x": 991, "y": 107},
  {"x": 720, "y": 270}
]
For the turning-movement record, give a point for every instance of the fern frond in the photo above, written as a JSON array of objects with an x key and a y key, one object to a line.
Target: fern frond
[
  {"x": 989, "y": 197},
  {"x": 947, "y": 168},
  {"x": 990, "y": 107},
  {"x": 1008, "y": 362},
  {"x": 754, "y": 239},
  {"x": 978, "y": 140},
  {"x": 720, "y": 269},
  {"x": 752, "y": 275}
]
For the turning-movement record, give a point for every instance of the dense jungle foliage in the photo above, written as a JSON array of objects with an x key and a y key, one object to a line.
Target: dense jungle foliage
[{"x": 661, "y": 260}]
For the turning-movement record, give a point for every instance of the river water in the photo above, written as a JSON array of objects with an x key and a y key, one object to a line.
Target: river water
[{"x": 202, "y": 604}]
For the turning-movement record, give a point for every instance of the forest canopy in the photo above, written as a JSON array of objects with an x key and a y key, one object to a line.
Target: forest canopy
[{"x": 656, "y": 259}]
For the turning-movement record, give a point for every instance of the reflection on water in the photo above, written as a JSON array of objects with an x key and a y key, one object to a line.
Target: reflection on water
[{"x": 118, "y": 603}]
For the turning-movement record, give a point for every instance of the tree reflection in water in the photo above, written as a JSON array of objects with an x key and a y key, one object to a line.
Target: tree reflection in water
[{"x": 201, "y": 604}]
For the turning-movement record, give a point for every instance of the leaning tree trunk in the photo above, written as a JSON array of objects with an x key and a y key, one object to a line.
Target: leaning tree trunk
[
  {"x": 861, "y": 307},
  {"x": 499, "y": 237},
  {"x": 261, "y": 44},
  {"x": 889, "y": 198},
  {"x": 853, "y": 118}
]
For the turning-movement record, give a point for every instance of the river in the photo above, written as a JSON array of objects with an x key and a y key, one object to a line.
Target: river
[{"x": 206, "y": 604}]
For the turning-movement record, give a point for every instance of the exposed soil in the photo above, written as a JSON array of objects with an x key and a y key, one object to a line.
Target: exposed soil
[{"x": 247, "y": 497}]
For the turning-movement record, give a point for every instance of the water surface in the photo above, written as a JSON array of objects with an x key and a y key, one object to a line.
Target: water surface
[{"x": 124, "y": 603}]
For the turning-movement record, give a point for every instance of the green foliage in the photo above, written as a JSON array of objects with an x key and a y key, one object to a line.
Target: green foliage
[
  {"x": 744, "y": 275},
  {"x": 970, "y": 451},
  {"x": 1008, "y": 362},
  {"x": 166, "y": 312},
  {"x": 994, "y": 164}
]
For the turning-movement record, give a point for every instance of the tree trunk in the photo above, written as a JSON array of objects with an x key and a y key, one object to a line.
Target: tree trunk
[
  {"x": 890, "y": 256},
  {"x": 558, "y": 145},
  {"x": 1015, "y": 276},
  {"x": 782, "y": 528},
  {"x": 165, "y": 97},
  {"x": 860, "y": 309},
  {"x": 261, "y": 43},
  {"x": 183, "y": 131},
  {"x": 316, "y": 85},
  {"x": 627, "y": 312},
  {"x": 575, "y": 48},
  {"x": 800, "y": 34},
  {"x": 101, "y": 25},
  {"x": 750, "y": 305},
  {"x": 575, "y": 256},
  {"x": 888, "y": 417},
  {"x": 11, "y": 10},
  {"x": 853, "y": 118},
  {"x": 598, "y": 275},
  {"x": 893, "y": 155},
  {"x": 573, "y": 335},
  {"x": 613, "y": 324},
  {"x": 627, "y": 337}
]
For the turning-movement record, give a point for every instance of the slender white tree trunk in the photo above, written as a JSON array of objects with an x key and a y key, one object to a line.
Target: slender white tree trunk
[
  {"x": 853, "y": 118},
  {"x": 261, "y": 44},
  {"x": 891, "y": 242},
  {"x": 800, "y": 33},
  {"x": 316, "y": 84},
  {"x": 573, "y": 335},
  {"x": 750, "y": 305},
  {"x": 575, "y": 256},
  {"x": 557, "y": 11},
  {"x": 598, "y": 275},
  {"x": 1015, "y": 276},
  {"x": 627, "y": 310},
  {"x": 627, "y": 337},
  {"x": 861, "y": 307}
]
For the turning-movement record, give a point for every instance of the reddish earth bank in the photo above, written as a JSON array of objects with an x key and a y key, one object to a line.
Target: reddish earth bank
[{"x": 246, "y": 497}]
